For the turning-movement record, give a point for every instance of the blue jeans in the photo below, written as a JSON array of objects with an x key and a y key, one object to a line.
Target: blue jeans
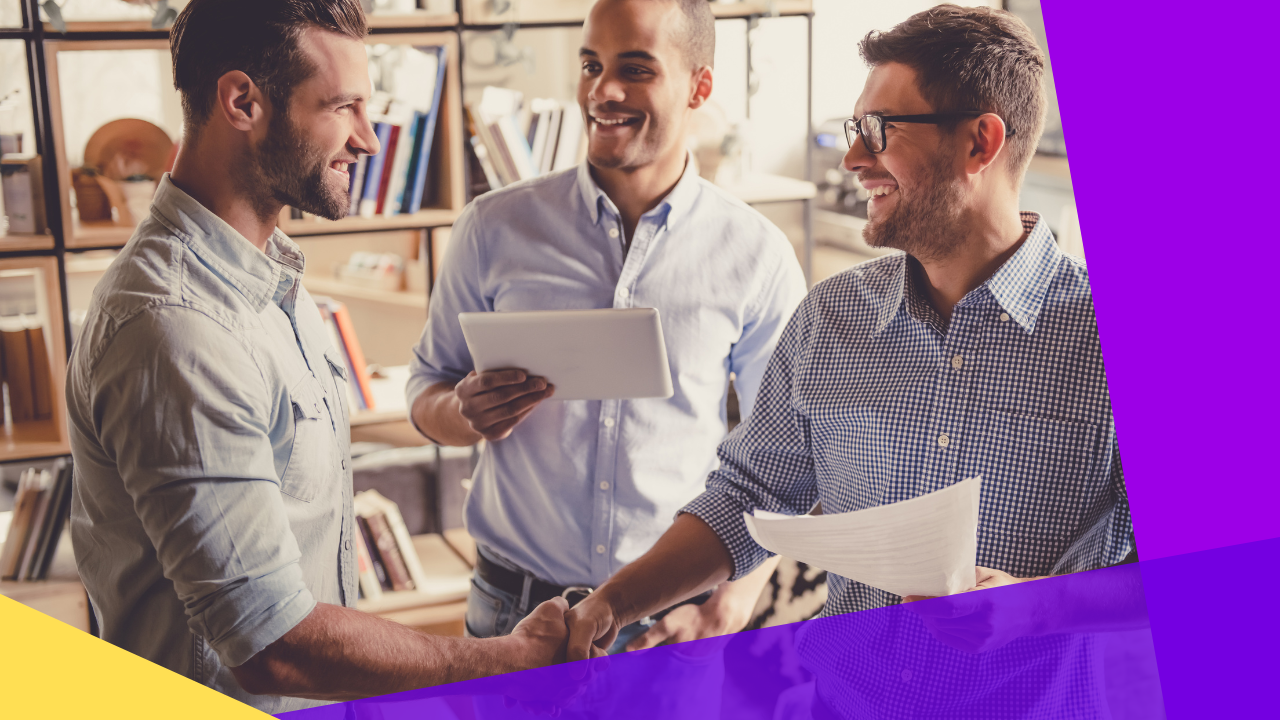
[{"x": 492, "y": 612}]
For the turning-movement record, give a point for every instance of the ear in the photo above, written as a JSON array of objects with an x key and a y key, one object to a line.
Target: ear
[
  {"x": 701, "y": 87},
  {"x": 986, "y": 142},
  {"x": 240, "y": 102}
]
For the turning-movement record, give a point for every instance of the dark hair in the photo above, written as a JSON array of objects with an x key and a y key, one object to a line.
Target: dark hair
[
  {"x": 257, "y": 37},
  {"x": 699, "y": 41},
  {"x": 972, "y": 59}
]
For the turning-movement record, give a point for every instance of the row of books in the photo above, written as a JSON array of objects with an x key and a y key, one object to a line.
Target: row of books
[
  {"x": 342, "y": 334},
  {"x": 508, "y": 150},
  {"x": 404, "y": 114},
  {"x": 385, "y": 556},
  {"x": 40, "y": 511},
  {"x": 25, "y": 369}
]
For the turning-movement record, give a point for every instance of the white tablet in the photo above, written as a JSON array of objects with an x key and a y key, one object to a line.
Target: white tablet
[{"x": 586, "y": 354}]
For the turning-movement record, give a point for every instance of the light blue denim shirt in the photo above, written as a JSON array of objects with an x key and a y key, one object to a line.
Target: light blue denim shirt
[
  {"x": 212, "y": 504},
  {"x": 581, "y": 488}
]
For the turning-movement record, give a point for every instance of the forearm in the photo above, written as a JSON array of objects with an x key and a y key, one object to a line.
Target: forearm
[
  {"x": 341, "y": 654},
  {"x": 688, "y": 559},
  {"x": 747, "y": 588},
  {"x": 437, "y": 414}
]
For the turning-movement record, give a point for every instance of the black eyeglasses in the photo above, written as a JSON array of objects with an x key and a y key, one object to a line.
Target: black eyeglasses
[{"x": 871, "y": 127}]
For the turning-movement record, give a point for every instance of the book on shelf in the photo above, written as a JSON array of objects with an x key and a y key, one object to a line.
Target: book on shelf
[
  {"x": 39, "y": 515},
  {"x": 22, "y": 188},
  {"x": 25, "y": 369},
  {"x": 387, "y": 540},
  {"x": 370, "y": 584},
  {"x": 405, "y": 110},
  {"x": 506, "y": 152},
  {"x": 342, "y": 334}
]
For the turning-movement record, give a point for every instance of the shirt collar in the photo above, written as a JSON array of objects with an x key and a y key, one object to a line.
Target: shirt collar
[
  {"x": 257, "y": 274},
  {"x": 676, "y": 204},
  {"x": 1019, "y": 286}
]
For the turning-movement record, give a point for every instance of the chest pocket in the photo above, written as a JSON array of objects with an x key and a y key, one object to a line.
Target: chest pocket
[
  {"x": 312, "y": 457},
  {"x": 1037, "y": 485}
]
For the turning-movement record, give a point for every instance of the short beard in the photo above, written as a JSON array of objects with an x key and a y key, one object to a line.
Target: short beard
[
  {"x": 287, "y": 169},
  {"x": 926, "y": 224}
]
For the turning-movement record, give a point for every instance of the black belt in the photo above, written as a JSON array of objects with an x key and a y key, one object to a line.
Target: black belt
[{"x": 512, "y": 582}]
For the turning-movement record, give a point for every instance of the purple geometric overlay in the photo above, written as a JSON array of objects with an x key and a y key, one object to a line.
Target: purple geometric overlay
[{"x": 1076, "y": 646}]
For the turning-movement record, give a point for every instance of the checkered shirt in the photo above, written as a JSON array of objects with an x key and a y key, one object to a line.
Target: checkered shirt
[{"x": 871, "y": 398}]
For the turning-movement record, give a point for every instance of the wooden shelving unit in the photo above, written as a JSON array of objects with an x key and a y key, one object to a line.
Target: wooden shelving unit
[{"x": 410, "y": 235}]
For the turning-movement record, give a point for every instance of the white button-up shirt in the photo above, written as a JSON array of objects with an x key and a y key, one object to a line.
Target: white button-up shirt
[{"x": 581, "y": 488}]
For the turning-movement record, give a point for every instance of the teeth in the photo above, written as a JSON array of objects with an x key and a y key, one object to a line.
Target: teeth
[
  {"x": 602, "y": 121},
  {"x": 882, "y": 190}
]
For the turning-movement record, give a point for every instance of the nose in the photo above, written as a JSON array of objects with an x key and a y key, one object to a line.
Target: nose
[
  {"x": 858, "y": 158},
  {"x": 606, "y": 88},
  {"x": 363, "y": 138}
]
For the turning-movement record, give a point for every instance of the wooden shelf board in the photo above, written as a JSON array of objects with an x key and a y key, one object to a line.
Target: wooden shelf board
[
  {"x": 38, "y": 438},
  {"x": 98, "y": 234},
  {"x": 320, "y": 226},
  {"x": 377, "y": 417},
  {"x": 762, "y": 188},
  {"x": 332, "y": 286},
  {"x": 22, "y": 243},
  {"x": 420, "y": 19},
  {"x": 478, "y": 12},
  {"x": 103, "y": 26}
]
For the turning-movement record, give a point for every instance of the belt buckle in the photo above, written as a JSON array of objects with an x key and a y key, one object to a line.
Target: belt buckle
[{"x": 576, "y": 594}]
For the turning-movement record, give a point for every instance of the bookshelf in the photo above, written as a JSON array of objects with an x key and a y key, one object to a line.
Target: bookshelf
[{"x": 391, "y": 319}]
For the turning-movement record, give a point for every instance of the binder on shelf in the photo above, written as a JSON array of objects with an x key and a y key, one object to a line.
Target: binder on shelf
[
  {"x": 417, "y": 188},
  {"x": 406, "y": 149},
  {"x": 60, "y": 507},
  {"x": 368, "y": 203},
  {"x": 39, "y": 519},
  {"x": 24, "y": 505},
  {"x": 351, "y": 343},
  {"x": 41, "y": 374},
  {"x": 370, "y": 585},
  {"x": 17, "y": 369}
]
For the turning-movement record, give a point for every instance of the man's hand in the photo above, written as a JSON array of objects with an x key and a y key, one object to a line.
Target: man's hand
[
  {"x": 494, "y": 402},
  {"x": 978, "y": 622},
  {"x": 593, "y": 627},
  {"x": 539, "y": 639},
  {"x": 725, "y": 612}
]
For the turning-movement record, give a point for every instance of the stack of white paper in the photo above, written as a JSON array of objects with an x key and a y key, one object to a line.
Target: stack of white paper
[{"x": 927, "y": 545}]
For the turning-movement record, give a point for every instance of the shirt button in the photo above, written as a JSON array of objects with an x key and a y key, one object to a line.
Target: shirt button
[
  {"x": 906, "y": 676},
  {"x": 957, "y": 362},
  {"x": 613, "y": 232},
  {"x": 608, "y": 422},
  {"x": 604, "y": 484},
  {"x": 599, "y": 549},
  {"x": 944, "y": 440},
  {"x": 1004, "y": 317},
  {"x": 623, "y": 292}
]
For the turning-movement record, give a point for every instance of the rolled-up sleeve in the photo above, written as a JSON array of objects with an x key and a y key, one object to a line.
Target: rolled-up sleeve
[
  {"x": 766, "y": 462},
  {"x": 441, "y": 354},
  {"x": 182, "y": 407}
]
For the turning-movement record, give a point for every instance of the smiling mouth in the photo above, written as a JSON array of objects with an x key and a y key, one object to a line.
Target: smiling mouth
[
  {"x": 615, "y": 122},
  {"x": 882, "y": 190}
]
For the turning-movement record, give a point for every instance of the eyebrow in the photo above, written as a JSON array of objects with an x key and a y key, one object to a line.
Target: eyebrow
[
  {"x": 343, "y": 99},
  {"x": 629, "y": 55}
]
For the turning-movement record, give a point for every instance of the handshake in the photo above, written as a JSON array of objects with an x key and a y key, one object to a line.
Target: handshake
[{"x": 556, "y": 633}]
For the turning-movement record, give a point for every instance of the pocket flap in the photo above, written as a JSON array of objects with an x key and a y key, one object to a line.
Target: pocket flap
[{"x": 336, "y": 363}]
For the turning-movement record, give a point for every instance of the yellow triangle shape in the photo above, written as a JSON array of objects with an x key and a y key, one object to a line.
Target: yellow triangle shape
[{"x": 49, "y": 669}]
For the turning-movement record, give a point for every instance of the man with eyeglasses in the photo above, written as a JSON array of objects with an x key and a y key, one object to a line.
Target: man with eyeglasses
[{"x": 972, "y": 352}]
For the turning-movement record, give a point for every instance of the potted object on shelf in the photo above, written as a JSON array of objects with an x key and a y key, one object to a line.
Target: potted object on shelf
[{"x": 123, "y": 160}]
